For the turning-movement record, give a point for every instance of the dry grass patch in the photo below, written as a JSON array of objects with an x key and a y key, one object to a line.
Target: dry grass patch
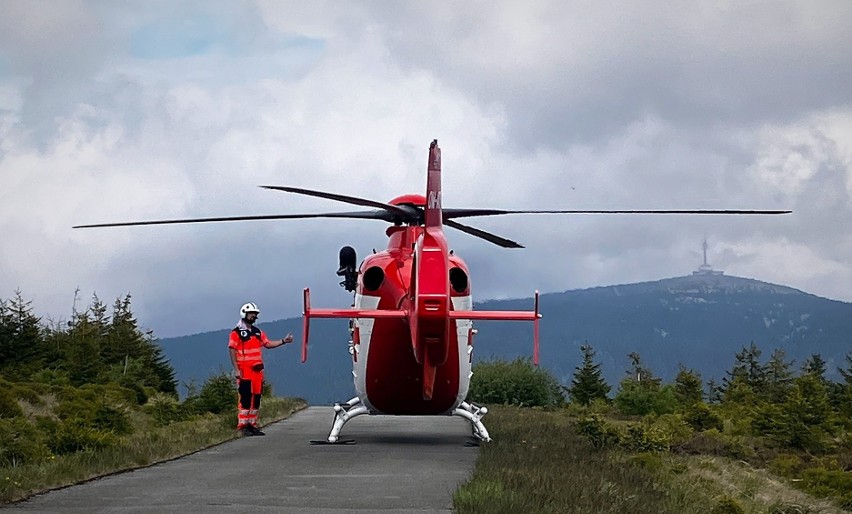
[{"x": 756, "y": 490}]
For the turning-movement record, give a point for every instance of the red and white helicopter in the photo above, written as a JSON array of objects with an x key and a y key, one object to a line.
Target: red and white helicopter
[{"x": 411, "y": 324}]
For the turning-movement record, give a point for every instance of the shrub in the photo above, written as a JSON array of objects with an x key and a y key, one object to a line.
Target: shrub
[
  {"x": 835, "y": 483},
  {"x": 600, "y": 432},
  {"x": 700, "y": 417},
  {"x": 76, "y": 409},
  {"x": 641, "y": 398},
  {"x": 673, "y": 428},
  {"x": 786, "y": 465},
  {"x": 111, "y": 419},
  {"x": 514, "y": 383},
  {"x": 64, "y": 437},
  {"x": 649, "y": 461},
  {"x": 712, "y": 442},
  {"x": 51, "y": 376},
  {"x": 790, "y": 429},
  {"x": 217, "y": 395},
  {"x": 140, "y": 395},
  {"x": 164, "y": 408},
  {"x": 9, "y": 407},
  {"x": 20, "y": 443},
  {"x": 641, "y": 438},
  {"x": 112, "y": 393},
  {"x": 597, "y": 406},
  {"x": 709, "y": 442}
]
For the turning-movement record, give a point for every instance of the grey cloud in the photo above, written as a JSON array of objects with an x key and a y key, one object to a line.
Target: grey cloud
[
  {"x": 546, "y": 105},
  {"x": 602, "y": 67}
]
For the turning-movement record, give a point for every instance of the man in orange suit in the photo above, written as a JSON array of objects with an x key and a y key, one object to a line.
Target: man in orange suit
[{"x": 244, "y": 345}]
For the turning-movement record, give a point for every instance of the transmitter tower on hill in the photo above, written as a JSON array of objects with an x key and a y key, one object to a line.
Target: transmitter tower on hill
[{"x": 706, "y": 269}]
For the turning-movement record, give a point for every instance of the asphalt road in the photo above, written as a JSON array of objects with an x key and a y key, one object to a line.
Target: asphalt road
[{"x": 397, "y": 464}]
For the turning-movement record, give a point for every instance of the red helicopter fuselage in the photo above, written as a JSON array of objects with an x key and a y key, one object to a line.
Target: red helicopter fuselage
[
  {"x": 412, "y": 319},
  {"x": 388, "y": 376}
]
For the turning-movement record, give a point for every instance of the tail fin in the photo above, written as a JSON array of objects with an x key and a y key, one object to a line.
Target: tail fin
[{"x": 434, "y": 214}]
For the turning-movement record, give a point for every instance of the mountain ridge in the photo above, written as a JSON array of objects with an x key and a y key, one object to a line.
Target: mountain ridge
[{"x": 706, "y": 284}]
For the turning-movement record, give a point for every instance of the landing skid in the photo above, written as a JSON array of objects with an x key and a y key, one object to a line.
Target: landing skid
[
  {"x": 343, "y": 413},
  {"x": 474, "y": 413}
]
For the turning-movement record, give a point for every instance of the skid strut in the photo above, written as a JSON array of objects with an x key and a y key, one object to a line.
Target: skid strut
[
  {"x": 343, "y": 413},
  {"x": 474, "y": 413}
]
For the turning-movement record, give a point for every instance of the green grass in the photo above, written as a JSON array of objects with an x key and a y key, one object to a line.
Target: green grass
[
  {"x": 538, "y": 463},
  {"x": 145, "y": 446}
]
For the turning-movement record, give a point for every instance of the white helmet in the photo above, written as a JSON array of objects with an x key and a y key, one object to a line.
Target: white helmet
[{"x": 249, "y": 307}]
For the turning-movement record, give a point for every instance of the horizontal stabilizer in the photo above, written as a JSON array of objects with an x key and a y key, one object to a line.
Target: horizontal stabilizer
[
  {"x": 533, "y": 316},
  {"x": 357, "y": 313},
  {"x": 309, "y": 313},
  {"x": 495, "y": 315}
]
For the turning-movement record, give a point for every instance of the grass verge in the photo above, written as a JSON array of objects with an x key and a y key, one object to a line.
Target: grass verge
[
  {"x": 539, "y": 463},
  {"x": 143, "y": 448}
]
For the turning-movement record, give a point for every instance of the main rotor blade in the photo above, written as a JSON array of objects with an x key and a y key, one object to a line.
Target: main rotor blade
[
  {"x": 354, "y": 200},
  {"x": 466, "y": 213},
  {"x": 497, "y": 240},
  {"x": 375, "y": 215}
]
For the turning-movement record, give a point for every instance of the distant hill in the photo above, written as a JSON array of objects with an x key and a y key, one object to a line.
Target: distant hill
[{"x": 699, "y": 321}]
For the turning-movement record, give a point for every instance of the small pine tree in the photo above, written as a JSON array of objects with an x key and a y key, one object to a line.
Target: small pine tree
[
  {"x": 588, "y": 383},
  {"x": 714, "y": 392},
  {"x": 804, "y": 421},
  {"x": 747, "y": 370},
  {"x": 778, "y": 376},
  {"x": 126, "y": 342},
  {"x": 842, "y": 392},
  {"x": 641, "y": 392},
  {"x": 641, "y": 374},
  {"x": 688, "y": 387},
  {"x": 22, "y": 351},
  {"x": 816, "y": 367},
  {"x": 847, "y": 373},
  {"x": 82, "y": 344}
]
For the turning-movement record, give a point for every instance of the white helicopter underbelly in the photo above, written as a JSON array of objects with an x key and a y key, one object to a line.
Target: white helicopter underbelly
[{"x": 365, "y": 333}]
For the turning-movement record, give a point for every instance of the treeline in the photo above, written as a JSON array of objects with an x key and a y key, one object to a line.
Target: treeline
[
  {"x": 95, "y": 346},
  {"x": 794, "y": 408}
]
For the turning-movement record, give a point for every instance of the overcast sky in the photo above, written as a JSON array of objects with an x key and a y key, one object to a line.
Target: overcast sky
[{"x": 122, "y": 111}]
